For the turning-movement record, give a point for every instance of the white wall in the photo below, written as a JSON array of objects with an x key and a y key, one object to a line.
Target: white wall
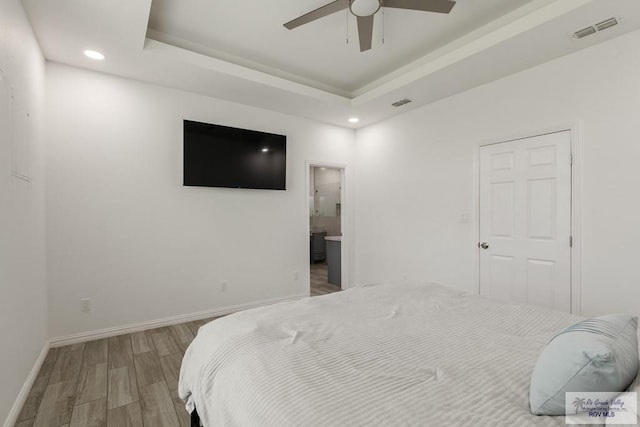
[
  {"x": 23, "y": 294},
  {"x": 122, "y": 229},
  {"x": 416, "y": 173}
]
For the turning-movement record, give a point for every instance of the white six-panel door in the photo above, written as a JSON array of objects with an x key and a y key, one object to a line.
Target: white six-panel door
[{"x": 525, "y": 220}]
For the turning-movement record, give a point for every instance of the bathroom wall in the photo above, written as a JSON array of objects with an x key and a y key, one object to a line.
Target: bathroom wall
[{"x": 325, "y": 182}]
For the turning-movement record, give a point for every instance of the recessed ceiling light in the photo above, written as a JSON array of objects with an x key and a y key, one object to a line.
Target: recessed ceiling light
[
  {"x": 354, "y": 120},
  {"x": 265, "y": 149},
  {"x": 94, "y": 55}
]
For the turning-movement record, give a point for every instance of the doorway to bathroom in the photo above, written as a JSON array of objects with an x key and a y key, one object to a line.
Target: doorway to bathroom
[{"x": 326, "y": 224}]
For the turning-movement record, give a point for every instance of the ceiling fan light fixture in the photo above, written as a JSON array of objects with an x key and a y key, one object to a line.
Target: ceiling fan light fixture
[{"x": 364, "y": 8}]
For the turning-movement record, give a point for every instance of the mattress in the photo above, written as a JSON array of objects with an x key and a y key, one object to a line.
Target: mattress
[{"x": 385, "y": 354}]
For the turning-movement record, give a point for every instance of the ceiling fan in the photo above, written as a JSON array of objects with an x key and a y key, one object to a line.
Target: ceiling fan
[{"x": 364, "y": 10}]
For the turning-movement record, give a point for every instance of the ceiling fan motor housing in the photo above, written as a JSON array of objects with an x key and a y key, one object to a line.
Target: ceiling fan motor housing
[{"x": 364, "y": 8}]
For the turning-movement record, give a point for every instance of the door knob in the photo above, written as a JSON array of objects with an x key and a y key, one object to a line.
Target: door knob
[{"x": 483, "y": 245}]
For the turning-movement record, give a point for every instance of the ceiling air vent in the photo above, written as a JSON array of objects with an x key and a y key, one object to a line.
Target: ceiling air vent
[
  {"x": 584, "y": 32},
  {"x": 401, "y": 102},
  {"x": 607, "y": 23}
]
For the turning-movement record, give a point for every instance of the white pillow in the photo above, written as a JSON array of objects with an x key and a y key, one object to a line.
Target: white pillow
[
  {"x": 634, "y": 388},
  {"x": 599, "y": 354}
]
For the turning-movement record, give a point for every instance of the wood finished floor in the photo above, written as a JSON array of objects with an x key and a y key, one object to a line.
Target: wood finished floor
[
  {"x": 319, "y": 283},
  {"x": 125, "y": 381},
  {"x": 128, "y": 380}
]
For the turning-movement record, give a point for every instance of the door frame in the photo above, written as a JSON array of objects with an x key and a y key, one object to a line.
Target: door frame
[
  {"x": 575, "y": 133},
  {"x": 345, "y": 245}
]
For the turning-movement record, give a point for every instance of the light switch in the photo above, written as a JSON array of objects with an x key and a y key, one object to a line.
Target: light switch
[{"x": 464, "y": 218}]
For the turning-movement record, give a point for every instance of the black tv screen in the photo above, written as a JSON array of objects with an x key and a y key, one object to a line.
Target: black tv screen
[{"x": 222, "y": 156}]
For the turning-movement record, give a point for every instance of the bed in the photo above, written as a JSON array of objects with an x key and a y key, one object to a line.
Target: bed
[{"x": 385, "y": 354}]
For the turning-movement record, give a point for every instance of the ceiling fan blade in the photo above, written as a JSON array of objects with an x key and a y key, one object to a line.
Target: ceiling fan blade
[
  {"x": 320, "y": 12},
  {"x": 438, "y": 6},
  {"x": 365, "y": 32}
]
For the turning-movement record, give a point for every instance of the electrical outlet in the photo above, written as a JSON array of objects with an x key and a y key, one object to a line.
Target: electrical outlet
[
  {"x": 223, "y": 286},
  {"x": 296, "y": 275},
  {"x": 85, "y": 304}
]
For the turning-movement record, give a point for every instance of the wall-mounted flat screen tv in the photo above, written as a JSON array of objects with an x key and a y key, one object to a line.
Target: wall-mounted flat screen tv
[{"x": 222, "y": 156}]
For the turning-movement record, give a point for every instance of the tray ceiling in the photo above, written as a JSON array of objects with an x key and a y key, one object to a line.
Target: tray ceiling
[
  {"x": 239, "y": 50},
  {"x": 251, "y": 33}
]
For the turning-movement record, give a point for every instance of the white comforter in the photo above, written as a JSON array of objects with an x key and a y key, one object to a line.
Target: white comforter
[{"x": 380, "y": 355}]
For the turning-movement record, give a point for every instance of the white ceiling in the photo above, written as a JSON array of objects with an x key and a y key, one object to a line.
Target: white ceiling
[
  {"x": 239, "y": 51},
  {"x": 315, "y": 53}
]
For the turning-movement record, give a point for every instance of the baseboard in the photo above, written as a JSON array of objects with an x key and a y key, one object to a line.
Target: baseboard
[
  {"x": 26, "y": 388},
  {"x": 167, "y": 321}
]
